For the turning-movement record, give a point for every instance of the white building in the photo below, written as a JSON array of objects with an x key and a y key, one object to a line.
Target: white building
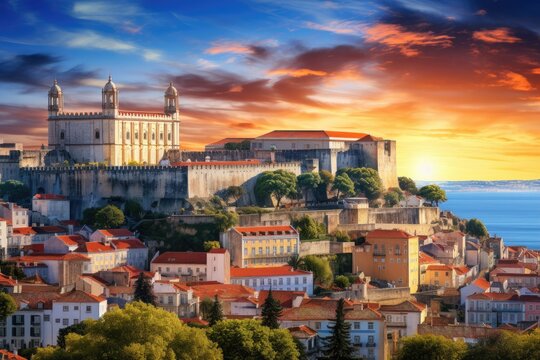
[
  {"x": 478, "y": 286},
  {"x": 275, "y": 278},
  {"x": 18, "y": 216},
  {"x": 52, "y": 206},
  {"x": 114, "y": 136},
  {"x": 176, "y": 298},
  {"x": 3, "y": 238},
  {"x": 194, "y": 266},
  {"x": 404, "y": 318},
  {"x": 412, "y": 201}
]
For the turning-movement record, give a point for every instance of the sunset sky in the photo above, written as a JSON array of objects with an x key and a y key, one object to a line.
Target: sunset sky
[{"x": 455, "y": 83}]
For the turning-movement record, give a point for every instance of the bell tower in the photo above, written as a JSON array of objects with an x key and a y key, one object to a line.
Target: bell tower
[
  {"x": 56, "y": 99},
  {"x": 109, "y": 97},
  {"x": 171, "y": 101}
]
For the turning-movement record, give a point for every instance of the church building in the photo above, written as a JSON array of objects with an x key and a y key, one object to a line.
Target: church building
[{"x": 113, "y": 136}]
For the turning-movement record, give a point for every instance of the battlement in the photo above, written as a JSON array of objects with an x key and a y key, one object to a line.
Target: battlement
[
  {"x": 127, "y": 114},
  {"x": 79, "y": 115}
]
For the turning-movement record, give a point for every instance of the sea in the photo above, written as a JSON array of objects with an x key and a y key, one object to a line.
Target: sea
[{"x": 512, "y": 215}]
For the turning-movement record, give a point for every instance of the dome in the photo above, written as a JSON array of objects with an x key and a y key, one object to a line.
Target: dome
[
  {"x": 109, "y": 86},
  {"x": 55, "y": 89},
  {"x": 171, "y": 90}
]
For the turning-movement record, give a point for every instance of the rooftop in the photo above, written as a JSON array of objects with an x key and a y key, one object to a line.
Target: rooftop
[
  {"x": 115, "y": 232},
  {"x": 172, "y": 257},
  {"x": 313, "y": 134},
  {"x": 238, "y": 162},
  {"x": 265, "y": 230},
  {"x": 77, "y": 296},
  {"x": 286, "y": 270},
  {"x": 325, "y": 309},
  {"x": 388, "y": 234},
  {"x": 49, "y": 197}
]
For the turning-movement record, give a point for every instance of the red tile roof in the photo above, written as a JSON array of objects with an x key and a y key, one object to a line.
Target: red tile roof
[
  {"x": 325, "y": 309},
  {"x": 462, "y": 270},
  {"x": 24, "y": 231},
  {"x": 71, "y": 240},
  {"x": 424, "y": 258},
  {"x": 227, "y": 292},
  {"x": 171, "y": 257},
  {"x": 77, "y": 296},
  {"x": 7, "y": 281},
  {"x": 229, "y": 140},
  {"x": 312, "y": 134},
  {"x": 94, "y": 247},
  {"x": 284, "y": 297},
  {"x": 266, "y": 271},
  {"x": 491, "y": 296},
  {"x": 195, "y": 321},
  {"x": 218, "y": 251},
  {"x": 128, "y": 244},
  {"x": 481, "y": 283},
  {"x": 265, "y": 230},
  {"x": 6, "y": 355},
  {"x": 302, "y": 332},
  {"x": 115, "y": 232},
  {"x": 238, "y": 162},
  {"x": 49, "y": 197},
  {"x": 36, "y": 258},
  {"x": 405, "y": 306},
  {"x": 439, "y": 267},
  {"x": 388, "y": 234},
  {"x": 34, "y": 248}
]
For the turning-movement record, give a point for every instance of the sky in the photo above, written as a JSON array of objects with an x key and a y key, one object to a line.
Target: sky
[{"x": 454, "y": 82}]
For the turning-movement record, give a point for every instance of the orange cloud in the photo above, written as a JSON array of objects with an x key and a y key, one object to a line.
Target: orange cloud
[
  {"x": 396, "y": 36},
  {"x": 229, "y": 47},
  {"x": 536, "y": 71},
  {"x": 298, "y": 72},
  {"x": 499, "y": 35},
  {"x": 515, "y": 81}
]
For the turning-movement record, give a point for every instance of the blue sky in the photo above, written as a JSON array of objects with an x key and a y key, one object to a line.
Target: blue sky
[{"x": 454, "y": 82}]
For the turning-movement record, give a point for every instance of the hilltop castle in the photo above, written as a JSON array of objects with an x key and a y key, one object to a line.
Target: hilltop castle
[{"x": 114, "y": 136}]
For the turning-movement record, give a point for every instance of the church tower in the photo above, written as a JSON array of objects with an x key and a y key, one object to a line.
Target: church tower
[
  {"x": 109, "y": 96},
  {"x": 171, "y": 101},
  {"x": 56, "y": 99}
]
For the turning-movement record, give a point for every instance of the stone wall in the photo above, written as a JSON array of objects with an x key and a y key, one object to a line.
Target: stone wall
[
  {"x": 457, "y": 331},
  {"x": 330, "y": 218},
  {"x": 420, "y": 215},
  {"x": 325, "y": 247}
]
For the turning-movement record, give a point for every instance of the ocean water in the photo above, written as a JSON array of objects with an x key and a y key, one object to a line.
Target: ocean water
[{"x": 513, "y": 215}]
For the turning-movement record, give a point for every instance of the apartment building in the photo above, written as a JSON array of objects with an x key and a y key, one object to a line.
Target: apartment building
[{"x": 274, "y": 277}]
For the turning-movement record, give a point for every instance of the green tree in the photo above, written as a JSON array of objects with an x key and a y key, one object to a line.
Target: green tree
[
  {"x": 249, "y": 340},
  {"x": 338, "y": 345},
  {"x": 322, "y": 271},
  {"x": 302, "y": 351},
  {"x": 430, "y": 347},
  {"x": 433, "y": 194},
  {"x": 476, "y": 228},
  {"x": 138, "y": 332},
  {"x": 211, "y": 244},
  {"x": 343, "y": 185},
  {"x": 341, "y": 281},
  {"x": 308, "y": 183},
  {"x": 506, "y": 345},
  {"x": 393, "y": 196},
  {"x": 235, "y": 192},
  {"x": 79, "y": 328},
  {"x": 109, "y": 217},
  {"x": 366, "y": 181},
  {"x": 11, "y": 269},
  {"x": 407, "y": 184},
  {"x": 308, "y": 228},
  {"x": 225, "y": 220},
  {"x": 271, "y": 311},
  {"x": 278, "y": 184},
  {"x": 216, "y": 312},
  {"x": 14, "y": 191},
  {"x": 89, "y": 216},
  {"x": 206, "y": 308},
  {"x": 243, "y": 145},
  {"x": 133, "y": 209},
  {"x": 7, "y": 305},
  {"x": 143, "y": 290},
  {"x": 296, "y": 261},
  {"x": 327, "y": 178},
  {"x": 341, "y": 236}
]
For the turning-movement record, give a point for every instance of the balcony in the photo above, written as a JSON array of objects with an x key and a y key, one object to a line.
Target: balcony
[{"x": 371, "y": 344}]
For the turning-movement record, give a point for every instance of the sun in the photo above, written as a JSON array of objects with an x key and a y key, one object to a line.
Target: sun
[{"x": 425, "y": 169}]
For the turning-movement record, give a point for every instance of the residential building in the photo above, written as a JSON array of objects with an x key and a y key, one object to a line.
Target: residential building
[
  {"x": 61, "y": 269},
  {"x": 274, "y": 277},
  {"x": 17, "y": 215},
  {"x": 478, "y": 286},
  {"x": 451, "y": 237},
  {"x": 19, "y": 238},
  {"x": 52, "y": 206},
  {"x": 390, "y": 255},
  {"x": 4, "y": 244},
  {"x": 103, "y": 235},
  {"x": 194, "y": 266},
  {"x": 445, "y": 275},
  {"x": 403, "y": 318},
  {"x": 494, "y": 309},
  {"x": 232, "y": 297},
  {"x": 497, "y": 245},
  {"x": 446, "y": 253},
  {"x": 177, "y": 298},
  {"x": 367, "y": 330},
  {"x": 308, "y": 337},
  {"x": 262, "y": 245},
  {"x": 424, "y": 260},
  {"x": 43, "y": 233}
]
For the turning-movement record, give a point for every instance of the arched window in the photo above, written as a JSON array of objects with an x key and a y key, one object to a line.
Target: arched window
[
  {"x": 97, "y": 134},
  {"x": 62, "y": 135},
  {"x": 127, "y": 135}
]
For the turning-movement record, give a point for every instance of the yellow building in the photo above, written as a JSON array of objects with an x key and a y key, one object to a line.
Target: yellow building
[
  {"x": 262, "y": 245},
  {"x": 390, "y": 255}
]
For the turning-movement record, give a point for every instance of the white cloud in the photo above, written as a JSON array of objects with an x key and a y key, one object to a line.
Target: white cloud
[
  {"x": 90, "y": 39},
  {"x": 109, "y": 12},
  {"x": 206, "y": 64}
]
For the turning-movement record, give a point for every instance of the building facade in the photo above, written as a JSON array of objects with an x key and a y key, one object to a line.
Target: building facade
[
  {"x": 114, "y": 136},
  {"x": 275, "y": 278}
]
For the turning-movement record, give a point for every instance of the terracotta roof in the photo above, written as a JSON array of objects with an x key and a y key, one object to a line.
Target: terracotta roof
[
  {"x": 491, "y": 296},
  {"x": 238, "y": 162},
  {"x": 225, "y": 292},
  {"x": 302, "y": 332},
  {"x": 265, "y": 230},
  {"x": 195, "y": 320},
  {"x": 49, "y": 197},
  {"x": 284, "y": 297},
  {"x": 128, "y": 244},
  {"x": 405, "y": 306},
  {"x": 439, "y": 267},
  {"x": 424, "y": 259},
  {"x": 94, "y": 247},
  {"x": 7, "y": 281},
  {"x": 388, "y": 234},
  {"x": 481, "y": 283},
  {"x": 286, "y": 270},
  {"x": 172, "y": 257},
  {"x": 6, "y": 355},
  {"x": 78, "y": 296},
  {"x": 461, "y": 270},
  {"x": 49, "y": 229},
  {"x": 312, "y": 134},
  {"x": 34, "y": 248},
  {"x": 229, "y": 140},
  {"x": 115, "y": 232},
  {"x": 24, "y": 231},
  {"x": 72, "y": 240},
  {"x": 33, "y": 299},
  {"x": 218, "y": 251},
  {"x": 325, "y": 309},
  {"x": 36, "y": 258}
]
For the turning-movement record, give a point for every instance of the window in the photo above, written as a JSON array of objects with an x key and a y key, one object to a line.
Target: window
[
  {"x": 57, "y": 321},
  {"x": 356, "y": 325},
  {"x": 65, "y": 322},
  {"x": 153, "y": 136},
  {"x": 46, "y": 317},
  {"x": 317, "y": 325},
  {"x": 371, "y": 339},
  {"x": 75, "y": 321},
  {"x": 169, "y": 136},
  {"x": 145, "y": 135},
  {"x": 18, "y": 320},
  {"x": 136, "y": 135},
  {"x": 88, "y": 308},
  {"x": 280, "y": 281},
  {"x": 127, "y": 135},
  {"x": 76, "y": 307},
  {"x": 65, "y": 308},
  {"x": 357, "y": 339},
  {"x": 160, "y": 136},
  {"x": 305, "y": 280},
  {"x": 97, "y": 134},
  {"x": 370, "y": 326}
]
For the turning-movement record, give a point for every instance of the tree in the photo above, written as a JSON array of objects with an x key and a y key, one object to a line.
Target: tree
[
  {"x": 341, "y": 236},
  {"x": 338, "y": 346},
  {"x": 308, "y": 228},
  {"x": 235, "y": 192},
  {"x": 393, "y": 196},
  {"x": 506, "y": 345},
  {"x": 302, "y": 351},
  {"x": 206, "y": 307},
  {"x": 243, "y": 145},
  {"x": 109, "y": 217},
  {"x": 143, "y": 290},
  {"x": 341, "y": 281},
  {"x": 343, "y": 185},
  {"x": 407, "y": 184},
  {"x": 320, "y": 267},
  {"x": 433, "y": 194},
  {"x": 308, "y": 183},
  {"x": 249, "y": 340},
  {"x": 89, "y": 216},
  {"x": 295, "y": 261},
  {"x": 271, "y": 311},
  {"x": 133, "y": 209},
  {"x": 14, "y": 191},
  {"x": 216, "y": 312},
  {"x": 79, "y": 328},
  {"x": 278, "y": 184},
  {"x": 476, "y": 228},
  {"x": 430, "y": 347},
  {"x": 210, "y": 244},
  {"x": 11, "y": 269},
  {"x": 327, "y": 178},
  {"x": 366, "y": 181},
  {"x": 7, "y": 305},
  {"x": 225, "y": 220},
  {"x": 138, "y": 332}
]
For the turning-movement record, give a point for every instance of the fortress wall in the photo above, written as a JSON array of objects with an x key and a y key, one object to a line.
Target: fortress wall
[
  {"x": 386, "y": 163},
  {"x": 421, "y": 215}
]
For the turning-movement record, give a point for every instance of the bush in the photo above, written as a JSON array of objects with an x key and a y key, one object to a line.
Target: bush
[{"x": 308, "y": 228}]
